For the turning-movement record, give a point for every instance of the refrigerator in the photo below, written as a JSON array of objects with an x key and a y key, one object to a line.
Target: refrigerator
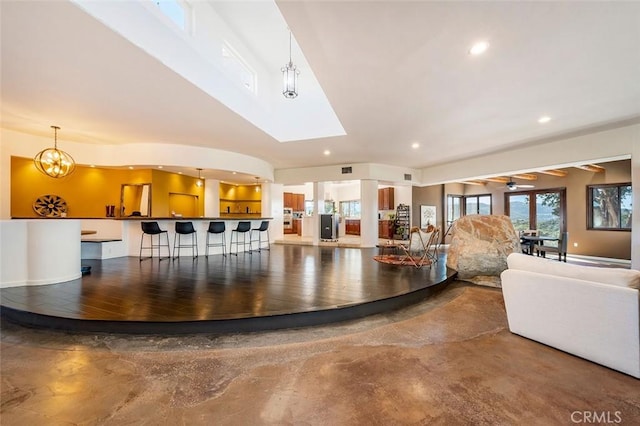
[{"x": 328, "y": 226}]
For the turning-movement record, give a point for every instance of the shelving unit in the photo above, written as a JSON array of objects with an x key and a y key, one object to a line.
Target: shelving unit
[{"x": 402, "y": 222}]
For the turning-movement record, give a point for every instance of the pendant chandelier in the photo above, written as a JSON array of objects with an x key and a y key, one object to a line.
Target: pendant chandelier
[
  {"x": 290, "y": 77},
  {"x": 199, "y": 181},
  {"x": 54, "y": 162}
]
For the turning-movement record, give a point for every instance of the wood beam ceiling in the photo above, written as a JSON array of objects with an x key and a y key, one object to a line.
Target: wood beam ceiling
[
  {"x": 591, "y": 168},
  {"x": 554, "y": 172}
]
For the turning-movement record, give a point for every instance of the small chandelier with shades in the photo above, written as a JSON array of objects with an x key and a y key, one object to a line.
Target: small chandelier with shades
[
  {"x": 54, "y": 162},
  {"x": 290, "y": 77}
]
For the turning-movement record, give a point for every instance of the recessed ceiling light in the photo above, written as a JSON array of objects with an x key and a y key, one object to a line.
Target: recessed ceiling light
[
  {"x": 159, "y": 167},
  {"x": 479, "y": 48},
  {"x": 179, "y": 173},
  {"x": 130, "y": 167},
  {"x": 415, "y": 145},
  {"x": 234, "y": 172},
  {"x": 544, "y": 119},
  {"x": 92, "y": 165},
  {"x": 327, "y": 152}
]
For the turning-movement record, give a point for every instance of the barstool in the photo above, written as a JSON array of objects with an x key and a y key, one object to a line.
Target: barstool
[
  {"x": 242, "y": 228},
  {"x": 264, "y": 227},
  {"x": 216, "y": 228},
  {"x": 185, "y": 228},
  {"x": 151, "y": 229}
]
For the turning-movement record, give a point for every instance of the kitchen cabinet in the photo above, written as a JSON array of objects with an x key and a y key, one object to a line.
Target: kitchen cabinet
[
  {"x": 385, "y": 229},
  {"x": 288, "y": 200},
  {"x": 297, "y": 227},
  {"x": 293, "y": 201},
  {"x": 352, "y": 226},
  {"x": 299, "y": 203},
  {"x": 386, "y": 199}
]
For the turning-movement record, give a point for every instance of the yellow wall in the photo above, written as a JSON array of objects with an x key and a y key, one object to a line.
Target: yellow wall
[
  {"x": 239, "y": 198},
  {"x": 165, "y": 183},
  {"x": 87, "y": 190}
]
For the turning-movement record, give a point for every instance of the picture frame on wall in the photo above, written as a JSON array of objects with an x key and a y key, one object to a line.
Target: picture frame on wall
[{"x": 427, "y": 216}]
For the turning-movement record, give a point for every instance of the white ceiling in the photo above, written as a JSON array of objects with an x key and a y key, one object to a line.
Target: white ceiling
[{"x": 394, "y": 72}]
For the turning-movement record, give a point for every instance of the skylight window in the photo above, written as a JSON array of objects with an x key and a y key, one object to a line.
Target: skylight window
[
  {"x": 175, "y": 10},
  {"x": 238, "y": 68}
]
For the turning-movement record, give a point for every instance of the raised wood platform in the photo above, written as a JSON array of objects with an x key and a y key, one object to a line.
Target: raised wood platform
[{"x": 289, "y": 286}]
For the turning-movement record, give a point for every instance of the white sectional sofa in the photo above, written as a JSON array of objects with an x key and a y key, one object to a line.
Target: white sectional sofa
[{"x": 591, "y": 312}]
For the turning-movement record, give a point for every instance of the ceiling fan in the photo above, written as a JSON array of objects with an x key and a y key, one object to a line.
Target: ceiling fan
[{"x": 512, "y": 186}]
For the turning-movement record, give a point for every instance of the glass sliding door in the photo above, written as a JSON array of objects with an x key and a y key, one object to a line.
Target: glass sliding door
[
  {"x": 548, "y": 219},
  {"x": 518, "y": 208}
]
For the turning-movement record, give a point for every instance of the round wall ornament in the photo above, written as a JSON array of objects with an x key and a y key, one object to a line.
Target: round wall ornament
[{"x": 50, "y": 206}]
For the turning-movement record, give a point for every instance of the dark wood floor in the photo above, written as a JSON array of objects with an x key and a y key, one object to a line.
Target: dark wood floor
[{"x": 288, "y": 286}]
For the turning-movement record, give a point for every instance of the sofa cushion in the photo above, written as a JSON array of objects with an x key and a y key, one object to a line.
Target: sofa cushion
[{"x": 614, "y": 276}]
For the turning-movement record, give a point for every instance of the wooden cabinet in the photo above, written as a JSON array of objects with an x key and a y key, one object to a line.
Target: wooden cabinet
[
  {"x": 293, "y": 201},
  {"x": 352, "y": 226},
  {"x": 385, "y": 229},
  {"x": 297, "y": 226},
  {"x": 299, "y": 203},
  {"x": 386, "y": 199},
  {"x": 288, "y": 200}
]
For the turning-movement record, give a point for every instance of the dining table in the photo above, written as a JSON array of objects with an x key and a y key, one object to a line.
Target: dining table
[{"x": 531, "y": 240}]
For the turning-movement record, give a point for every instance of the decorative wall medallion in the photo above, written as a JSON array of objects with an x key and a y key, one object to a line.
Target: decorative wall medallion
[{"x": 50, "y": 206}]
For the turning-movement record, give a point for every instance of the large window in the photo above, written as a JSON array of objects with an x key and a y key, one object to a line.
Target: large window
[
  {"x": 543, "y": 210},
  {"x": 460, "y": 205},
  {"x": 350, "y": 209},
  {"x": 609, "y": 207}
]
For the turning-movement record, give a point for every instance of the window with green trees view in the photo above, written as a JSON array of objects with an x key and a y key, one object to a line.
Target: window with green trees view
[
  {"x": 609, "y": 207},
  {"x": 543, "y": 210}
]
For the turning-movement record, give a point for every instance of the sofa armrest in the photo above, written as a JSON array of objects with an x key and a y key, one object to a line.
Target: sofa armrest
[{"x": 595, "y": 321}]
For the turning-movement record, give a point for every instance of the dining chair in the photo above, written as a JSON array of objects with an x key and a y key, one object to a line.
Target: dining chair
[{"x": 561, "y": 248}]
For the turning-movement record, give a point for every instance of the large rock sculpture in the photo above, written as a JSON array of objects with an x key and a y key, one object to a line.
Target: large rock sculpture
[{"x": 480, "y": 246}]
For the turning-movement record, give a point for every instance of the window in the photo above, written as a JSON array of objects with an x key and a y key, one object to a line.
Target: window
[
  {"x": 350, "y": 208},
  {"x": 238, "y": 68},
  {"x": 460, "y": 205},
  {"x": 609, "y": 207},
  {"x": 175, "y": 10},
  {"x": 454, "y": 208},
  {"x": 543, "y": 210},
  {"x": 477, "y": 204}
]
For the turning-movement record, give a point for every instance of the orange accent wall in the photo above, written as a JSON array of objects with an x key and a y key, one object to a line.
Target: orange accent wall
[
  {"x": 89, "y": 189},
  {"x": 239, "y": 198}
]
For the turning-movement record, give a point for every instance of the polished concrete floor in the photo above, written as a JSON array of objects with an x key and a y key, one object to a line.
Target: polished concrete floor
[{"x": 448, "y": 360}]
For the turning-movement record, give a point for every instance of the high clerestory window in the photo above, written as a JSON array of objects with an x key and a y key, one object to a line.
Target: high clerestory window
[
  {"x": 238, "y": 68},
  {"x": 176, "y": 10}
]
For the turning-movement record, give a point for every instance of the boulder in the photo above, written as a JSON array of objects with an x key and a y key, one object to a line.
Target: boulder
[{"x": 479, "y": 247}]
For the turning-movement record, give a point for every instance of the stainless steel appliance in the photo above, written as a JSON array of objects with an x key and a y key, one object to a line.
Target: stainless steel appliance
[
  {"x": 329, "y": 227},
  {"x": 287, "y": 218}
]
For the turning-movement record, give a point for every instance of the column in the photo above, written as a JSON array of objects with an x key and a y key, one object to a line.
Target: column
[
  {"x": 368, "y": 213},
  {"x": 211, "y": 198}
]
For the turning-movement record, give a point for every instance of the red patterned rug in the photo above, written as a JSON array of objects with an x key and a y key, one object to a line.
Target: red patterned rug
[{"x": 397, "y": 259}]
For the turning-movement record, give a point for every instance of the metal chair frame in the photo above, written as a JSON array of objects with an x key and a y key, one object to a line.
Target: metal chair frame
[
  {"x": 264, "y": 227},
  {"x": 243, "y": 228},
  {"x": 216, "y": 228},
  {"x": 151, "y": 229},
  {"x": 185, "y": 228}
]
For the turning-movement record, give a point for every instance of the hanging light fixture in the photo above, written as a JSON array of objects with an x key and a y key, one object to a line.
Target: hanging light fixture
[
  {"x": 54, "y": 162},
  {"x": 257, "y": 183},
  {"x": 199, "y": 181},
  {"x": 290, "y": 77}
]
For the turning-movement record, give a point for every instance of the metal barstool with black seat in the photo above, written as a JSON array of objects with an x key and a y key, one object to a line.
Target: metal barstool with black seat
[
  {"x": 185, "y": 228},
  {"x": 151, "y": 229},
  {"x": 216, "y": 228},
  {"x": 242, "y": 228},
  {"x": 264, "y": 227}
]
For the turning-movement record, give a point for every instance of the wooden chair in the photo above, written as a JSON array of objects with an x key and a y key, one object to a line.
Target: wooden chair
[
  {"x": 417, "y": 252},
  {"x": 561, "y": 249},
  {"x": 527, "y": 246}
]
